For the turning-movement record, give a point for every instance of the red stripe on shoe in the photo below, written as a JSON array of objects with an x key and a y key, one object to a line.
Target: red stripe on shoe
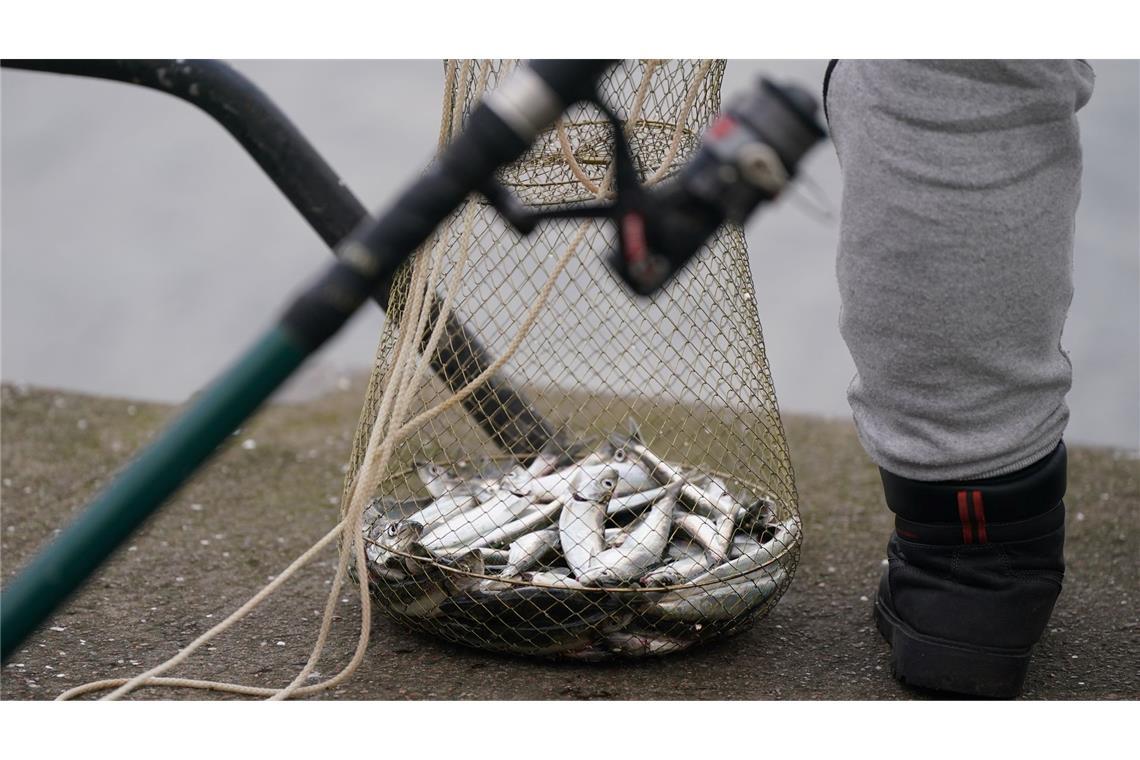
[
  {"x": 980, "y": 516},
  {"x": 964, "y": 516}
]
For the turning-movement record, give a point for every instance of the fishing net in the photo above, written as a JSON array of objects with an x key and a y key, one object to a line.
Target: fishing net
[{"x": 617, "y": 481}]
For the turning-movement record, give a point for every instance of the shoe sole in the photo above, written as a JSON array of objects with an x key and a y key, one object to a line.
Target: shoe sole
[{"x": 931, "y": 663}]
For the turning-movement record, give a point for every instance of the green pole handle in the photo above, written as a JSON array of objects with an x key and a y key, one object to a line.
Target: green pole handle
[
  {"x": 60, "y": 567},
  {"x": 369, "y": 258}
]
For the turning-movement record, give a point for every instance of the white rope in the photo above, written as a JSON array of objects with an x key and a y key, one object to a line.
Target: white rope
[{"x": 391, "y": 427}]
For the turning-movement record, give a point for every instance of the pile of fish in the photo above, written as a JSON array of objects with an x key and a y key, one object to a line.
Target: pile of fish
[{"x": 618, "y": 551}]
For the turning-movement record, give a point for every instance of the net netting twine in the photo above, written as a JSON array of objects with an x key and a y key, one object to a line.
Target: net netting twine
[{"x": 406, "y": 372}]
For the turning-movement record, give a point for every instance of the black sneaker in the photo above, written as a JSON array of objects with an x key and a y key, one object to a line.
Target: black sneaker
[{"x": 974, "y": 570}]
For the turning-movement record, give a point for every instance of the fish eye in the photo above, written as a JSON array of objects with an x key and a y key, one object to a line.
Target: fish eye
[
  {"x": 392, "y": 530},
  {"x": 619, "y": 455},
  {"x": 607, "y": 483}
]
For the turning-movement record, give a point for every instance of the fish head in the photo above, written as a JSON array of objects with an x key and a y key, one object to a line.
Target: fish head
[
  {"x": 663, "y": 576},
  {"x": 599, "y": 576},
  {"x": 518, "y": 485},
  {"x": 611, "y": 450},
  {"x": 430, "y": 468},
  {"x": 600, "y": 487},
  {"x": 399, "y": 535},
  {"x": 429, "y": 471}
]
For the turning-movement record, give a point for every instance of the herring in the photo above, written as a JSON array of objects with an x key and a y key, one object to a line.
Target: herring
[
  {"x": 529, "y": 520},
  {"x": 393, "y": 540},
  {"x": 677, "y": 571},
  {"x": 722, "y": 600},
  {"x": 642, "y": 644},
  {"x": 552, "y": 578},
  {"x": 641, "y": 550},
  {"x": 715, "y": 536},
  {"x": 632, "y": 478},
  {"x": 460, "y": 528},
  {"x": 529, "y": 549},
  {"x": 636, "y": 500},
  {"x": 581, "y": 526}
]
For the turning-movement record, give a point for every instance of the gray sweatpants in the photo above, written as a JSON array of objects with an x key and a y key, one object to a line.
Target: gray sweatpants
[{"x": 960, "y": 186}]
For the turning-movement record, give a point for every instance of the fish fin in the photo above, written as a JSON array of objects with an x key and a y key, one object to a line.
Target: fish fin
[
  {"x": 557, "y": 450},
  {"x": 634, "y": 431},
  {"x": 634, "y": 436}
]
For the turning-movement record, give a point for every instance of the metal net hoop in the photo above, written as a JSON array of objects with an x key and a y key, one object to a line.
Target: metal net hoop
[{"x": 689, "y": 368}]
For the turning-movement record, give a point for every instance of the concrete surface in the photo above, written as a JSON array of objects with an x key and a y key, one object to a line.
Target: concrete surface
[{"x": 256, "y": 507}]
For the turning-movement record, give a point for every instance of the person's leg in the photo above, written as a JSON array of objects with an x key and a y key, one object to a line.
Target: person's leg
[{"x": 960, "y": 186}]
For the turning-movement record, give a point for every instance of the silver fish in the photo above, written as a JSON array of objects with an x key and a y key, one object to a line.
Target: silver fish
[
  {"x": 641, "y": 550},
  {"x": 760, "y": 510},
  {"x": 746, "y": 554},
  {"x": 431, "y": 583},
  {"x": 678, "y": 571},
  {"x": 714, "y": 535},
  {"x": 629, "y": 502},
  {"x": 786, "y": 536},
  {"x": 682, "y": 549},
  {"x": 464, "y": 528},
  {"x": 389, "y": 508},
  {"x": 642, "y": 644},
  {"x": 374, "y": 511},
  {"x": 582, "y": 522},
  {"x": 632, "y": 477},
  {"x": 391, "y": 541},
  {"x": 614, "y": 537},
  {"x": 529, "y": 549},
  {"x": 537, "y": 517},
  {"x": 666, "y": 473},
  {"x": 723, "y": 600},
  {"x": 423, "y": 606},
  {"x": 701, "y": 528},
  {"x": 445, "y": 507},
  {"x": 545, "y": 462},
  {"x": 520, "y": 479},
  {"x": 606, "y": 452},
  {"x": 553, "y": 578},
  {"x": 494, "y": 556},
  {"x": 736, "y": 586}
]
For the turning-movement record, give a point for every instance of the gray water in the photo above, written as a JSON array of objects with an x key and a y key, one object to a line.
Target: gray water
[{"x": 141, "y": 250}]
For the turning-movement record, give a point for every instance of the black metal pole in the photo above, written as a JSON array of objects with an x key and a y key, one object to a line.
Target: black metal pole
[{"x": 330, "y": 208}]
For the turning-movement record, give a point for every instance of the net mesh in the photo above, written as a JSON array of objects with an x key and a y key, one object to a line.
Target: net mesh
[{"x": 662, "y": 511}]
